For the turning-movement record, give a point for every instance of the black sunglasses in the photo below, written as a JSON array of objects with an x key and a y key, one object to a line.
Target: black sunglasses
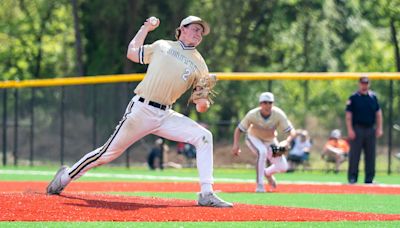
[{"x": 266, "y": 102}]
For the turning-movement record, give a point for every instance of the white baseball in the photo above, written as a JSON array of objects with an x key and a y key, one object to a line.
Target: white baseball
[
  {"x": 153, "y": 21},
  {"x": 202, "y": 105}
]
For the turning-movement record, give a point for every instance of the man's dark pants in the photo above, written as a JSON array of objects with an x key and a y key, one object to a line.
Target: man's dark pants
[{"x": 365, "y": 140}]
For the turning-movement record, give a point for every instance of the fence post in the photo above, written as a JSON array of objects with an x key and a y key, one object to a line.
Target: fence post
[
  {"x": 128, "y": 150},
  {"x": 94, "y": 113},
  {"x": 4, "y": 127},
  {"x": 390, "y": 121},
  {"x": 32, "y": 127},
  {"x": 62, "y": 125},
  {"x": 16, "y": 111}
]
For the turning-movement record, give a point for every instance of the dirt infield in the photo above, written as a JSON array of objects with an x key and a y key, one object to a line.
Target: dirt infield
[{"x": 26, "y": 201}]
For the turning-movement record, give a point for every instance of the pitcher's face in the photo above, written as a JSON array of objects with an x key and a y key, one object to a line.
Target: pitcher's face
[{"x": 192, "y": 34}]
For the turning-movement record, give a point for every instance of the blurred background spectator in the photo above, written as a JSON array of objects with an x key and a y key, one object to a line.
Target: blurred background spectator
[
  {"x": 188, "y": 152},
  {"x": 335, "y": 150},
  {"x": 300, "y": 152},
  {"x": 157, "y": 155}
]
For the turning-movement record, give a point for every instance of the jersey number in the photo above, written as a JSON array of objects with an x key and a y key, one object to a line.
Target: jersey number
[{"x": 185, "y": 76}]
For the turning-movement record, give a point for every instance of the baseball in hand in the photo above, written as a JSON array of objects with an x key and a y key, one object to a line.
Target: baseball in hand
[
  {"x": 153, "y": 21},
  {"x": 202, "y": 105},
  {"x": 283, "y": 143}
]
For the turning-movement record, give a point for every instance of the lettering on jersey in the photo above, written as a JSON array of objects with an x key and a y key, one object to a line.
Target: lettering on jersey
[{"x": 190, "y": 65}]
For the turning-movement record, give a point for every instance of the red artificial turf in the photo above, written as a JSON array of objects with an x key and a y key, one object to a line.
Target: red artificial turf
[{"x": 26, "y": 201}]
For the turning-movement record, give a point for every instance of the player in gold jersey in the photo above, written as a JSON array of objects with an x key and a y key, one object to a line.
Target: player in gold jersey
[
  {"x": 261, "y": 125},
  {"x": 173, "y": 67}
]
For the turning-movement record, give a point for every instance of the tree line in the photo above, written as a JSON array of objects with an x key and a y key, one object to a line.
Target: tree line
[{"x": 63, "y": 38}]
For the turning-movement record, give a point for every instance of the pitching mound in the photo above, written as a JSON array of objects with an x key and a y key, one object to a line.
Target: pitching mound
[
  {"x": 99, "y": 207},
  {"x": 26, "y": 201}
]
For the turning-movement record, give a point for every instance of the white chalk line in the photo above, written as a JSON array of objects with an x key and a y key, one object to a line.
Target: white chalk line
[{"x": 173, "y": 178}]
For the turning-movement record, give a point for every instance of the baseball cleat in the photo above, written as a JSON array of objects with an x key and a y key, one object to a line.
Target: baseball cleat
[
  {"x": 260, "y": 188},
  {"x": 212, "y": 200},
  {"x": 55, "y": 187},
  {"x": 271, "y": 181}
]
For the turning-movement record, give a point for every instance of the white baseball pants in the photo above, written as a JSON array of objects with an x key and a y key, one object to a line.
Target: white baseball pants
[
  {"x": 264, "y": 152},
  {"x": 141, "y": 119}
]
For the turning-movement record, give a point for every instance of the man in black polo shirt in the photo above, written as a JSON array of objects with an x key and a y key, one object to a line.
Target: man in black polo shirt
[{"x": 364, "y": 125}]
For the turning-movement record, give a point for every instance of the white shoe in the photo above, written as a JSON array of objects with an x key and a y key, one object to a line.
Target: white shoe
[
  {"x": 55, "y": 187},
  {"x": 212, "y": 200},
  {"x": 260, "y": 188},
  {"x": 271, "y": 181}
]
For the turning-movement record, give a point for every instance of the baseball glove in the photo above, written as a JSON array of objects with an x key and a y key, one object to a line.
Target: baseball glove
[
  {"x": 203, "y": 89},
  {"x": 278, "y": 150}
]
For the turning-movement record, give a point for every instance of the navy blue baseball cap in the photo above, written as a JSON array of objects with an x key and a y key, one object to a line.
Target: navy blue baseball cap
[{"x": 364, "y": 79}]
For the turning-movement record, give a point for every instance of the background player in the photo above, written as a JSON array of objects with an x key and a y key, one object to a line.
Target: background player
[
  {"x": 261, "y": 124},
  {"x": 174, "y": 67}
]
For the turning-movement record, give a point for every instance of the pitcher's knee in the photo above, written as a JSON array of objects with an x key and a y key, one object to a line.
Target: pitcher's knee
[
  {"x": 282, "y": 167},
  {"x": 207, "y": 137},
  {"x": 204, "y": 137}
]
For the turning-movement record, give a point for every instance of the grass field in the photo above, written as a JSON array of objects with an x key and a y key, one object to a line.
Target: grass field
[{"x": 375, "y": 203}]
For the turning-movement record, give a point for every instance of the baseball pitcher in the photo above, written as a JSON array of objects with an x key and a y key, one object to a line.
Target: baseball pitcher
[
  {"x": 173, "y": 68},
  {"x": 261, "y": 125}
]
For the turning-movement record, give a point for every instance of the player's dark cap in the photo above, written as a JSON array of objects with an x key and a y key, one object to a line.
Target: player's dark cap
[{"x": 364, "y": 79}]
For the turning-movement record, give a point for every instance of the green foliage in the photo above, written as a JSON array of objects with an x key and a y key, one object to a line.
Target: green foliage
[
  {"x": 246, "y": 35},
  {"x": 370, "y": 52},
  {"x": 38, "y": 41}
]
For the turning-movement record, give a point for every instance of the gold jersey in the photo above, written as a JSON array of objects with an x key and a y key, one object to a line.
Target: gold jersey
[
  {"x": 173, "y": 67},
  {"x": 265, "y": 128}
]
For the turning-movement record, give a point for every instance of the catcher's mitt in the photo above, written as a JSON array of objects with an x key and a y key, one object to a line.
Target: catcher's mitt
[
  {"x": 278, "y": 150},
  {"x": 203, "y": 89}
]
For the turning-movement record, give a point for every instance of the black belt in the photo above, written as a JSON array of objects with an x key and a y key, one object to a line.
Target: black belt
[
  {"x": 363, "y": 125},
  {"x": 154, "y": 104}
]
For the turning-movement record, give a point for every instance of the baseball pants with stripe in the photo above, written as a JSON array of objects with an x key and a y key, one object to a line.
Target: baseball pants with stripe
[
  {"x": 141, "y": 119},
  {"x": 263, "y": 152}
]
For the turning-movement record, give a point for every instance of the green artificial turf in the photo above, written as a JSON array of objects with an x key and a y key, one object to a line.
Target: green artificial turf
[
  {"x": 385, "y": 204},
  {"x": 221, "y": 175}
]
